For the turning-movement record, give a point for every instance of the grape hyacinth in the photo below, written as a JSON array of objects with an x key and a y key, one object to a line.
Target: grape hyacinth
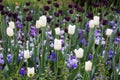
[{"x": 72, "y": 62}]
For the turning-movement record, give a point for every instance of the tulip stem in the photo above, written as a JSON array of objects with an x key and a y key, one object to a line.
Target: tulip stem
[
  {"x": 43, "y": 53},
  {"x": 57, "y": 54},
  {"x": 106, "y": 47},
  {"x": 70, "y": 43}
]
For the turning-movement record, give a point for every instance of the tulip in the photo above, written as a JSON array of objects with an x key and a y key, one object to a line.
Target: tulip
[
  {"x": 43, "y": 21},
  {"x": 91, "y": 24},
  {"x": 96, "y": 20},
  {"x": 57, "y": 31},
  {"x": 38, "y": 24},
  {"x": 57, "y": 44},
  {"x": 10, "y": 32},
  {"x": 71, "y": 29},
  {"x": 26, "y": 54},
  {"x": 30, "y": 72},
  {"x": 88, "y": 65},
  {"x": 79, "y": 53},
  {"x": 11, "y": 24},
  {"x": 109, "y": 32}
]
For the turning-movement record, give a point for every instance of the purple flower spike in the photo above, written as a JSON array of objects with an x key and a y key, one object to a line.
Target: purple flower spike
[
  {"x": 52, "y": 56},
  {"x": 112, "y": 23},
  {"x": 19, "y": 25},
  {"x": 9, "y": 58},
  {"x": 20, "y": 55},
  {"x": 22, "y": 71},
  {"x": 1, "y": 59},
  {"x": 90, "y": 56},
  {"x": 72, "y": 62},
  {"x": 33, "y": 31},
  {"x": 83, "y": 41},
  {"x": 117, "y": 40},
  {"x": 111, "y": 53}
]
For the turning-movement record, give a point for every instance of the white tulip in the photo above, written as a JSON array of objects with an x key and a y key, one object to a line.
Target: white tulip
[
  {"x": 71, "y": 29},
  {"x": 96, "y": 20},
  {"x": 11, "y": 24},
  {"x": 79, "y": 52},
  {"x": 88, "y": 65},
  {"x": 10, "y": 32},
  {"x": 91, "y": 24},
  {"x": 30, "y": 71},
  {"x": 43, "y": 21},
  {"x": 26, "y": 54},
  {"x": 109, "y": 32},
  {"x": 57, "y": 31},
  {"x": 38, "y": 24},
  {"x": 57, "y": 44}
]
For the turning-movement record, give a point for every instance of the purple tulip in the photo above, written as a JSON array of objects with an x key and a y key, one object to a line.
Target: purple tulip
[
  {"x": 46, "y": 8},
  {"x": 27, "y": 3},
  {"x": 1, "y": 7},
  {"x": 56, "y": 5}
]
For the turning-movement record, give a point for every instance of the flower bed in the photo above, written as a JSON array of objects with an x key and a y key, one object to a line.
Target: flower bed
[{"x": 58, "y": 41}]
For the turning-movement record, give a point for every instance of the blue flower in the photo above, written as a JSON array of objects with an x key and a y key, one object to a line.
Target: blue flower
[
  {"x": 33, "y": 31},
  {"x": 1, "y": 59},
  {"x": 90, "y": 56},
  {"x": 20, "y": 55},
  {"x": 72, "y": 62},
  {"x": 22, "y": 71},
  {"x": 83, "y": 41},
  {"x": 19, "y": 24},
  {"x": 9, "y": 58},
  {"x": 52, "y": 56}
]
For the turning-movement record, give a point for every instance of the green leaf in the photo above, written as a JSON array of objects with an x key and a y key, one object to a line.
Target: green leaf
[
  {"x": 73, "y": 74},
  {"x": 5, "y": 69}
]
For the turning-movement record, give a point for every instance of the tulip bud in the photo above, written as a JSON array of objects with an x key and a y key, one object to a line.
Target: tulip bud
[
  {"x": 11, "y": 24},
  {"x": 57, "y": 31},
  {"x": 109, "y": 32},
  {"x": 57, "y": 44},
  {"x": 43, "y": 21},
  {"x": 96, "y": 20},
  {"x": 10, "y": 32},
  {"x": 79, "y": 53},
  {"x": 30, "y": 72},
  {"x": 88, "y": 65},
  {"x": 91, "y": 24},
  {"x": 26, "y": 54},
  {"x": 71, "y": 29}
]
